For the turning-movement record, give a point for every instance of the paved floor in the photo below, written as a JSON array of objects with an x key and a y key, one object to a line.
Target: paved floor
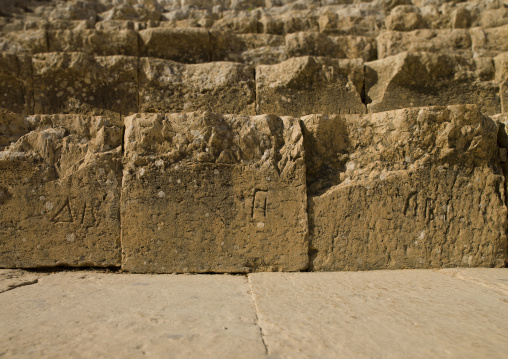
[{"x": 455, "y": 313}]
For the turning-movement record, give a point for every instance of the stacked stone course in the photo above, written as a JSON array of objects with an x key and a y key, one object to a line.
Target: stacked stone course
[{"x": 267, "y": 135}]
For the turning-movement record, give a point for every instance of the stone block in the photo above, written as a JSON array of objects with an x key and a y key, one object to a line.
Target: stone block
[
  {"x": 252, "y": 49},
  {"x": 16, "y": 87},
  {"x": 391, "y": 43},
  {"x": 210, "y": 193},
  {"x": 222, "y": 87},
  {"x": 305, "y": 85},
  {"x": 95, "y": 42},
  {"x": 489, "y": 42},
  {"x": 60, "y": 192},
  {"x": 340, "y": 47},
  {"x": 416, "y": 188},
  {"x": 24, "y": 42},
  {"x": 334, "y": 24},
  {"x": 81, "y": 83},
  {"x": 429, "y": 79},
  {"x": 189, "y": 45}
]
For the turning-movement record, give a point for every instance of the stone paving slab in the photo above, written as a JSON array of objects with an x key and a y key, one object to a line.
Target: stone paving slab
[
  {"x": 97, "y": 315},
  {"x": 383, "y": 314},
  {"x": 451, "y": 313}
]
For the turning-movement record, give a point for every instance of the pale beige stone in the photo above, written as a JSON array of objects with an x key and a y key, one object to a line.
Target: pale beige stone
[
  {"x": 96, "y": 42},
  {"x": 15, "y": 278},
  {"x": 415, "y": 188},
  {"x": 335, "y": 24},
  {"x": 381, "y": 314},
  {"x": 94, "y": 315},
  {"x": 16, "y": 87},
  {"x": 424, "y": 79},
  {"x": 289, "y": 23},
  {"x": 304, "y": 85},
  {"x": 221, "y": 87},
  {"x": 209, "y": 193},
  {"x": 60, "y": 194},
  {"x": 489, "y": 42},
  {"x": 183, "y": 45},
  {"x": 81, "y": 83},
  {"x": 394, "y": 42}
]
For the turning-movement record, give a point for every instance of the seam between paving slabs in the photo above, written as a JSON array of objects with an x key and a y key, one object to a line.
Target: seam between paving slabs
[{"x": 256, "y": 311}]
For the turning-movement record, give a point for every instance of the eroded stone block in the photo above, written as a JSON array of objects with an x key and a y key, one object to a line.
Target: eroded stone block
[
  {"x": 189, "y": 45},
  {"x": 59, "y": 194},
  {"x": 210, "y": 193},
  {"x": 24, "y": 42},
  {"x": 305, "y": 85},
  {"x": 416, "y": 188},
  {"x": 424, "y": 79},
  {"x": 95, "y": 42},
  {"x": 80, "y": 83},
  {"x": 16, "y": 88},
  {"x": 391, "y": 43},
  {"x": 222, "y": 87},
  {"x": 489, "y": 42}
]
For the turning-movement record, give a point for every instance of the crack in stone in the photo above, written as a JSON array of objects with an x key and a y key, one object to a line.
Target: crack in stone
[
  {"x": 14, "y": 286},
  {"x": 256, "y": 310}
]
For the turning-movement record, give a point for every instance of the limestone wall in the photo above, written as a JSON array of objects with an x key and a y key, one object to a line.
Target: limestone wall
[{"x": 238, "y": 136}]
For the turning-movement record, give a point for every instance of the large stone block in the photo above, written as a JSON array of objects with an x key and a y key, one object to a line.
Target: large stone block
[
  {"x": 489, "y": 42},
  {"x": 210, "y": 193},
  {"x": 222, "y": 87},
  {"x": 81, "y": 83},
  {"x": 24, "y": 42},
  {"x": 16, "y": 87},
  {"x": 95, "y": 42},
  {"x": 305, "y": 85},
  {"x": 415, "y": 188},
  {"x": 60, "y": 194},
  {"x": 189, "y": 45},
  {"x": 252, "y": 49},
  {"x": 391, "y": 43},
  {"x": 428, "y": 79}
]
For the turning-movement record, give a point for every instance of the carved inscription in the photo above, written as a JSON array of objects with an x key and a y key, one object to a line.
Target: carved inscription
[
  {"x": 258, "y": 210},
  {"x": 84, "y": 217}
]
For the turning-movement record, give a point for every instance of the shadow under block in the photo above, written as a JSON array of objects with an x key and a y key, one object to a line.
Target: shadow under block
[
  {"x": 210, "y": 193},
  {"x": 60, "y": 193},
  {"x": 417, "y": 188}
]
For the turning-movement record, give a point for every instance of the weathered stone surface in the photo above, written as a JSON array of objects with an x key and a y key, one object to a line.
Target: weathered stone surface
[
  {"x": 252, "y": 49},
  {"x": 382, "y": 314},
  {"x": 501, "y": 63},
  {"x": 182, "y": 45},
  {"x": 304, "y": 85},
  {"x": 209, "y": 193},
  {"x": 60, "y": 192},
  {"x": 92, "y": 314},
  {"x": 489, "y": 42},
  {"x": 101, "y": 43},
  {"x": 221, "y": 87},
  {"x": 12, "y": 127},
  {"x": 394, "y": 42},
  {"x": 15, "y": 278},
  {"x": 425, "y": 79},
  {"x": 416, "y": 188},
  {"x": 81, "y": 83},
  {"x": 16, "y": 88},
  {"x": 335, "y": 24},
  {"x": 342, "y": 47},
  {"x": 24, "y": 42}
]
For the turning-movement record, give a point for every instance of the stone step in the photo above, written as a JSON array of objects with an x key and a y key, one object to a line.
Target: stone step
[
  {"x": 80, "y": 83},
  {"x": 202, "y": 192}
]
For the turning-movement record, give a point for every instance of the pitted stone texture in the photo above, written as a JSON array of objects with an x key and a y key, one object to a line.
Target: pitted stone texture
[
  {"x": 391, "y": 43},
  {"x": 12, "y": 126},
  {"x": 95, "y": 42},
  {"x": 251, "y": 49},
  {"x": 489, "y": 42},
  {"x": 305, "y": 85},
  {"x": 59, "y": 194},
  {"x": 221, "y": 87},
  {"x": 417, "y": 188},
  {"x": 182, "y": 45},
  {"x": 210, "y": 193},
  {"x": 340, "y": 47},
  {"x": 81, "y": 83},
  {"x": 337, "y": 24},
  {"x": 24, "y": 42},
  {"x": 16, "y": 86},
  {"x": 501, "y": 64},
  {"x": 428, "y": 79}
]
